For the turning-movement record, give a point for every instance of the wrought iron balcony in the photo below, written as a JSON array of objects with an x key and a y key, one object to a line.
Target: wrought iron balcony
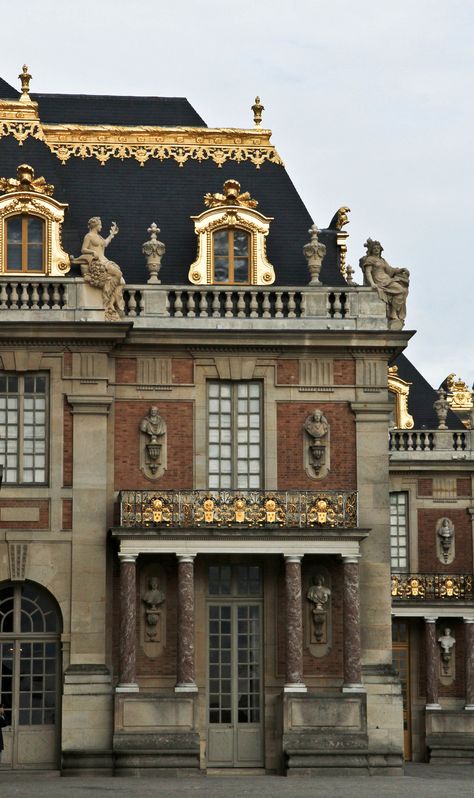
[
  {"x": 433, "y": 587},
  {"x": 222, "y": 508}
]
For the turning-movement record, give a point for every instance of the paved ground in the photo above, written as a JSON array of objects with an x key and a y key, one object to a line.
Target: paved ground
[{"x": 420, "y": 781}]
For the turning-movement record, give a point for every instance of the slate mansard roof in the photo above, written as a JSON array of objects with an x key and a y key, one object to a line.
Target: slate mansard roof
[{"x": 159, "y": 191}]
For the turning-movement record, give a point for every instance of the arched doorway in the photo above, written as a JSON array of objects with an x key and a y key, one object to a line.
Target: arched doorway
[{"x": 30, "y": 626}]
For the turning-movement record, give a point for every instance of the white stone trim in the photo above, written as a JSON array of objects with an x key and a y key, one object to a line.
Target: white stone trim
[
  {"x": 433, "y": 613},
  {"x": 191, "y": 548},
  {"x": 295, "y": 688}
]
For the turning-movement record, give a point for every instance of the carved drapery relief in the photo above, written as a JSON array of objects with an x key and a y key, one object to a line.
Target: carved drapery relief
[
  {"x": 446, "y": 642},
  {"x": 445, "y": 549},
  {"x": 318, "y": 612},
  {"x": 153, "y": 444},
  {"x": 316, "y": 445},
  {"x": 153, "y": 611}
]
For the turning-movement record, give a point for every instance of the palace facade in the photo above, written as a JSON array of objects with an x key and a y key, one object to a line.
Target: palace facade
[{"x": 236, "y": 523}]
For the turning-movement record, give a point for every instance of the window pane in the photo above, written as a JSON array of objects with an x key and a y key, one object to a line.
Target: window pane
[
  {"x": 221, "y": 270},
  {"x": 14, "y": 243},
  {"x": 221, "y": 242},
  {"x": 398, "y": 530},
  {"x": 241, "y": 244},
  {"x": 241, "y": 270}
]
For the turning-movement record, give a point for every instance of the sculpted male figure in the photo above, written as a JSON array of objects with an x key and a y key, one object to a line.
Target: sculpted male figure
[
  {"x": 153, "y": 425},
  {"x": 318, "y": 593}
]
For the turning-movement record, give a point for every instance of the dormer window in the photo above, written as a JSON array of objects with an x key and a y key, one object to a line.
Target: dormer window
[
  {"x": 30, "y": 226},
  {"x": 231, "y": 256},
  {"x": 24, "y": 243},
  {"x": 231, "y": 241}
]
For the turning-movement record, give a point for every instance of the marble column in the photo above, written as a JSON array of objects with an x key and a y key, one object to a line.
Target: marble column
[
  {"x": 294, "y": 626},
  {"x": 432, "y": 664},
  {"x": 128, "y": 623},
  {"x": 351, "y": 627},
  {"x": 185, "y": 666},
  {"x": 469, "y": 661}
]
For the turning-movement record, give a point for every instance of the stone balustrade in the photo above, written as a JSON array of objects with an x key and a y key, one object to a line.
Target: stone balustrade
[
  {"x": 432, "y": 587},
  {"x": 433, "y": 445},
  {"x": 238, "y": 509},
  {"x": 312, "y": 307}
]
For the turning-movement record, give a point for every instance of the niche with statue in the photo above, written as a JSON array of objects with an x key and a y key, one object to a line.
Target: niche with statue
[
  {"x": 318, "y": 610},
  {"x": 153, "y": 610},
  {"x": 316, "y": 449},
  {"x": 153, "y": 444},
  {"x": 445, "y": 548}
]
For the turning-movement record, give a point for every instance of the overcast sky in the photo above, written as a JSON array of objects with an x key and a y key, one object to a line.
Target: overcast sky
[{"x": 371, "y": 106}]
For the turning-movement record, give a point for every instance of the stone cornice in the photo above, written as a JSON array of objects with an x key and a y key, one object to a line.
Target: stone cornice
[
  {"x": 90, "y": 405},
  {"x": 59, "y": 333}
]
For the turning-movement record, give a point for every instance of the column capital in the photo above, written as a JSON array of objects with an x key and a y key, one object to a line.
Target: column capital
[
  {"x": 430, "y": 618},
  {"x": 293, "y": 557},
  {"x": 352, "y": 559},
  {"x": 127, "y": 557},
  {"x": 468, "y": 620},
  {"x": 186, "y": 557}
]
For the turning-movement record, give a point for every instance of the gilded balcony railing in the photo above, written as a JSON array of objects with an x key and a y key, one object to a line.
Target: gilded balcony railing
[
  {"x": 433, "y": 587},
  {"x": 225, "y": 508}
]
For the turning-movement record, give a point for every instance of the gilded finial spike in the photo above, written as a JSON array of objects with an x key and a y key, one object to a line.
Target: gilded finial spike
[
  {"x": 257, "y": 109},
  {"x": 25, "y": 78}
]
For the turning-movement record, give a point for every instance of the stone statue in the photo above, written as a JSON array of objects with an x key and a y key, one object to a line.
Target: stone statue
[
  {"x": 441, "y": 408},
  {"x": 390, "y": 283},
  {"x": 446, "y": 642},
  {"x": 446, "y": 534},
  {"x": 318, "y": 593},
  {"x": 100, "y": 272},
  {"x": 153, "y": 425},
  {"x": 317, "y": 427},
  {"x": 152, "y": 599},
  {"x": 153, "y": 251},
  {"x": 314, "y": 253}
]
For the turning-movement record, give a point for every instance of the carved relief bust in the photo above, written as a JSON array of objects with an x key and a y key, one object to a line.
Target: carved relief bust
[
  {"x": 445, "y": 540},
  {"x": 316, "y": 429},
  {"x": 153, "y": 455}
]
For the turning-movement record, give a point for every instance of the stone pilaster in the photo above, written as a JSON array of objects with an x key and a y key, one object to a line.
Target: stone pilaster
[
  {"x": 128, "y": 624},
  {"x": 431, "y": 653},
  {"x": 351, "y": 633},
  {"x": 185, "y": 666},
  {"x": 294, "y": 626},
  {"x": 469, "y": 661}
]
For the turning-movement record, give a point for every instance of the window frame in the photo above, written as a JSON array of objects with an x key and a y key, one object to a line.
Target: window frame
[
  {"x": 24, "y": 244},
  {"x": 400, "y": 534},
  {"x": 234, "y": 442},
  {"x": 20, "y": 411},
  {"x": 231, "y": 256}
]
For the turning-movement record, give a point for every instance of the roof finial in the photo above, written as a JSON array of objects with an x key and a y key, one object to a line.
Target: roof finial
[
  {"x": 25, "y": 78},
  {"x": 257, "y": 109}
]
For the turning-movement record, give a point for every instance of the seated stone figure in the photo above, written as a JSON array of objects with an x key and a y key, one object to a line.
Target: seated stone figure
[
  {"x": 100, "y": 272},
  {"x": 390, "y": 283}
]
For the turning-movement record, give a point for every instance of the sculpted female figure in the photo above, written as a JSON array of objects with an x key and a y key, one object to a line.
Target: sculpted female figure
[
  {"x": 390, "y": 283},
  {"x": 100, "y": 272}
]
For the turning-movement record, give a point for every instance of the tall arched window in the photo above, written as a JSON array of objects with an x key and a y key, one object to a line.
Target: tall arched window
[
  {"x": 231, "y": 256},
  {"x": 24, "y": 243}
]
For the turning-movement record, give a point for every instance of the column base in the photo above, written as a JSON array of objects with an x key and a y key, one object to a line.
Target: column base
[
  {"x": 127, "y": 687},
  {"x": 433, "y": 706},
  {"x": 353, "y": 688},
  {"x": 186, "y": 688},
  {"x": 295, "y": 688}
]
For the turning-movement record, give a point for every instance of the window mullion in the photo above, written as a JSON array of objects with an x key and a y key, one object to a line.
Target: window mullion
[
  {"x": 21, "y": 411},
  {"x": 24, "y": 243},
  {"x": 234, "y": 430},
  {"x": 231, "y": 256}
]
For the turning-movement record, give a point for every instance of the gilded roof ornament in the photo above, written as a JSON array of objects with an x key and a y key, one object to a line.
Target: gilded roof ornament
[
  {"x": 231, "y": 196},
  {"x": 25, "y": 181},
  {"x": 25, "y": 78},
  {"x": 341, "y": 217},
  {"x": 257, "y": 109},
  {"x": 459, "y": 396}
]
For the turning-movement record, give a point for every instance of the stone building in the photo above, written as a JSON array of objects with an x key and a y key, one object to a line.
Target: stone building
[{"x": 200, "y": 513}]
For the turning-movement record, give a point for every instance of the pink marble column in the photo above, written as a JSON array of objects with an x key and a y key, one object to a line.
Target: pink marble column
[
  {"x": 351, "y": 627},
  {"x": 294, "y": 626},
  {"x": 128, "y": 623},
  {"x": 185, "y": 665},
  {"x": 469, "y": 661},
  {"x": 432, "y": 664}
]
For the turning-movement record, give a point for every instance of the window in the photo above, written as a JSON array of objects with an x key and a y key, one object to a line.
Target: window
[
  {"x": 23, "y": 414},
  {"x": 235, "y": 437},
  {"x": 24, "y": 244},
  {"x": 399, "y": 531},
  {"x": 231, "y": 256}
]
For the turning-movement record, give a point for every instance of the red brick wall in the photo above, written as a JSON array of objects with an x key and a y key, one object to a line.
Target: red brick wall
[
  {"x": 67, "y": 364},
  {"x": 182, "y": 371},
  {"x": 287, "y": 372},
  {"x": 42, "y": 504},
  {"x": 463, "y": 485},
  {"x": 67, "y": 514},
  {"x": 457, "y": 689},
  {"x": 427, "y": 559},
  {"x": 179, "y": 420},
  {"x": 332, "y": 664},
  {"x": 67, "y": 445},
  {"x": 344, "y": 372},
  {"x": 125, "y": 369},
  {"x": 290, "y": 420},
  {"x": 425, "y": 487}
]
